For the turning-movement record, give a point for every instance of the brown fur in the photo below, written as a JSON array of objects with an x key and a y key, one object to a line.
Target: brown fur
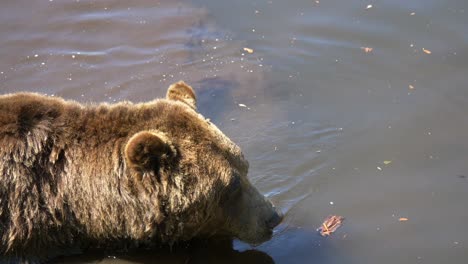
[
  {"x": 181, "y": 92},
  {"x": 75, "y": 176}
]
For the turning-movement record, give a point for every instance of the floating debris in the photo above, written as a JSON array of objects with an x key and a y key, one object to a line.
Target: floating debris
[
  {"x": 426, "y": 51},
  {"x": 379, "y": 168},
  {"x": 330, "y": 225},
  {"x": 411, "y": 87},
  {"x": 386, "y": 162},
  {"x": 369, "y": 6},
  {"x": 242, "y": 105},
  {"x": 367, "y": 49},
  {"x": 248, "y": 50},
  {"x": 403, "y": 219}
]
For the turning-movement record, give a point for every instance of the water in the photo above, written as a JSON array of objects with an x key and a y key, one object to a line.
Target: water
[{"x": 323, "y": 117}]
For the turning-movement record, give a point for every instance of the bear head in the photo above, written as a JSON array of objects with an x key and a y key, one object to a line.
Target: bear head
[{"x": 193, "y": 176}]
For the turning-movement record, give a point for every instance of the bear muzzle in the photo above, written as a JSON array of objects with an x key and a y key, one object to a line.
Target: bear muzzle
[
  {"x": 275, "y": 219},
  {"x": 265, "y": 232}
]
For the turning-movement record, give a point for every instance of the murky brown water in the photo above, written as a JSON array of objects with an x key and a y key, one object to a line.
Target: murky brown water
[{"x": 329, "y": 128}]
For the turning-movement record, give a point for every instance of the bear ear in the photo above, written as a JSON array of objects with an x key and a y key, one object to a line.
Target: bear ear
[
  {"x": 145, "y": 150},
  {"x": 180, "y": 91}
]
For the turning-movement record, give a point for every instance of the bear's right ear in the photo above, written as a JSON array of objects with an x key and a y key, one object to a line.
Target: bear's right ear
[
  {"x": 180, "y": 91},
  {"x": 145, "y": 150}
]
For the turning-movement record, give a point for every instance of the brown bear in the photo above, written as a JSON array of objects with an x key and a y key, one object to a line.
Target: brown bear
[{"x": 79, "y": 176}]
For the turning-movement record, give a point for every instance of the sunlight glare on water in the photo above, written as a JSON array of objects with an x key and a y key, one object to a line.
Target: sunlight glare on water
[{"x": 351, "y": 108}]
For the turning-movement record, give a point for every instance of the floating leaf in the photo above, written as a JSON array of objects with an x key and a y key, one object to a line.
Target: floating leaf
[
  {"x": 427, "y": 51},
  {"x": 248, "y": 50},
  {"x": 330, "y": 225}
]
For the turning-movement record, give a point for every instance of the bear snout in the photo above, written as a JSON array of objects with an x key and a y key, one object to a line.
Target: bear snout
[{"x": 275, "y": 219}]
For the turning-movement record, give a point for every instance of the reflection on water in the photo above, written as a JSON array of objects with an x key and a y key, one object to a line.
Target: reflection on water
[
  {"x": 327, "y": 127},
  {"x": 198, "y": 252}
]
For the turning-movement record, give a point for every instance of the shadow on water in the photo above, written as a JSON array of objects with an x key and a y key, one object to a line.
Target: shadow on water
[
  {"x": 291, "y": 245},
  {"x": 197, "y": 252},
  {"x": 214, "y": 96}
]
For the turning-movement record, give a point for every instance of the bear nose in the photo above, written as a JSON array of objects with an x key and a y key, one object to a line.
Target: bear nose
[{"x": 275, "y": 219}]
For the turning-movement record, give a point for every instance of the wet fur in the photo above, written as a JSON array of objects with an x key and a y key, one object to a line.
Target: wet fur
[
  {"x": 116, "y": 176},
  {"x": 65, "y": 181}
]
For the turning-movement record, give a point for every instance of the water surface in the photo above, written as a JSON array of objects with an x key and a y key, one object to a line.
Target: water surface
[{"x": 327, "y": 127}]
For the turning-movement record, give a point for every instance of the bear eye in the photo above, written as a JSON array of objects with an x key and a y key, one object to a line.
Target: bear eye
[{"x": 232, "y": 190}]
